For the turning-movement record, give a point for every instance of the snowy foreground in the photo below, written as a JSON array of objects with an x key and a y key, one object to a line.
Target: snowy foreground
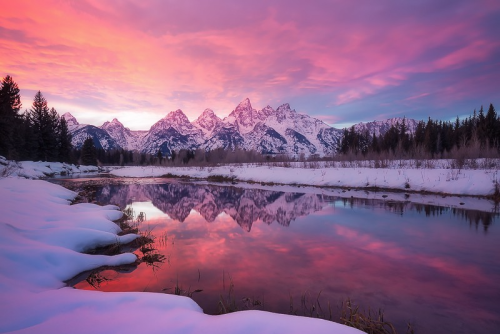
[
  {"x": 41, "y": 240},
  {"x": 475, "y": 182},
  {"x": 36, "y": 170}
]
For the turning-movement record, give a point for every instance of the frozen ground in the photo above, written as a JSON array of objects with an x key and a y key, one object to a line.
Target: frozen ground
[
  {"x": 39, "y": 169},
  {"x": 441, "y": 180},
  {"x": 41, "y": 240}
]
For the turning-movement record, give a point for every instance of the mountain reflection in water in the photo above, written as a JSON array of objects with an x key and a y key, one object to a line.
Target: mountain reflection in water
[
  {"x": 436, "y": 267},
  {"x": 247, "y": 206}
]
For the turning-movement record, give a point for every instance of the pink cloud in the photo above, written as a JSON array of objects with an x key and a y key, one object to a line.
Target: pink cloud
[{"x": 192, "y": 56}]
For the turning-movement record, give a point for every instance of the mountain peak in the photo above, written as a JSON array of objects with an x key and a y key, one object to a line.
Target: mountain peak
[
  {"x": 177, "y": 115},
  {"x": 245, "y": 104},
  {"x": 284, "y": 107},
  {"x": 70, "y": 119},
  {"x": 207, "y": 120},
  {"x": 265, "y": 112},
  {"x": 114, "y": 123},
  {"x": 207, "y": 113}
]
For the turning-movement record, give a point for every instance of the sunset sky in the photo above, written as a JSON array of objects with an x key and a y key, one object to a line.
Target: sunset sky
[{"x": 340, "y": 61}]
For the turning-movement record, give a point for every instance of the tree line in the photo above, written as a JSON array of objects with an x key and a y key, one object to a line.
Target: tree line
[
  {"x": 41, "y": 134},
  {"x": 37, "y": 134},
  {"x": 476, "y": 136}
]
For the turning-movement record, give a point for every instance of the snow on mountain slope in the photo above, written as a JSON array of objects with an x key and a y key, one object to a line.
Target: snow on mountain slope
[
  {"x": 304, "y": 134},
  {"x": 266, "y": 140},
  {"x": 173, "y": 132},
  {"x": 381, "y": 127},
  {"x": 224, "y": 136},
  {"x": 244, "y": 117},
  {"x": 269, "y": 131},
  {"x": 71, "y": 121},
  {"x": 127, "y": 139},
  {"x": 102, "y": 140},
  {"x": 207, "y": 122},
  {"x": 79, "y": 132}
]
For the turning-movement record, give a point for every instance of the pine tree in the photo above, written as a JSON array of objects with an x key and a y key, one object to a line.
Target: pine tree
[
  {"x": 89, "y": 152},
  {"x": 27, "y": 144},
  {"x": 51, "y": 135},
  {"x": 159, "y": 156},
  {"x": 491, "y": 126},
  {"x": 10, "y": 120},
  {"x": 64, "y": 141},
  {"x": 38, "y": 116}
]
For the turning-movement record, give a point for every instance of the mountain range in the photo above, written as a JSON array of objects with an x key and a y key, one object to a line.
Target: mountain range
[{"x": 268, "y": 131}]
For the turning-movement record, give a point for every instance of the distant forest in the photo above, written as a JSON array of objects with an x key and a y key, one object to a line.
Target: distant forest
[
  {"x": 477, "y": 136},
  {"x": 41, "y": 134}
]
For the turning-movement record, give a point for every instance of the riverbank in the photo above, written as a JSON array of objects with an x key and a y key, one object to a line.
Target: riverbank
[
  {"x": 445, "y": 181},
  {"x": 42, "y": 238},
  {"x": 41, "y": 169}
]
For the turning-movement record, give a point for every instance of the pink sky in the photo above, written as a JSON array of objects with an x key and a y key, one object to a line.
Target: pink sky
[{"x": 340, "y": 61}]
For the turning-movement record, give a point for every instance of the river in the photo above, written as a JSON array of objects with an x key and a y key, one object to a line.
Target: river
[{"x": 291, "y": 251}]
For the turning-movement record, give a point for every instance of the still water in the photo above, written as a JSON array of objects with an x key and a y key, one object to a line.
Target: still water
[{"x": 435, "y": 267}]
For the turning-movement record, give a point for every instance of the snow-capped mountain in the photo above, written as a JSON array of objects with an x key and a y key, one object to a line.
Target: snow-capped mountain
[
  {"x": 127, "y": 139},
  {"x": 71, "y": 121},
  {"x": 173, "y": 132},
  {"x": 207, "y": 122},
  {"x": 80, "y": 132},
  {"x": 302, "y": 133},
  {"x": 381, "y": 127},
  {"x": 268, "y": 131},
  {"x": 244, "y": 117},
  {"x": 102, "y": 140}
]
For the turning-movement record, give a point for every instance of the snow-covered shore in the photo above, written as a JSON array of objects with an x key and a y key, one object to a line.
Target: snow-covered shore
[
  {"x": 41, "y": 240},
  {"x": 41, "y": 169},
  {"x": 471, "y": 182}
]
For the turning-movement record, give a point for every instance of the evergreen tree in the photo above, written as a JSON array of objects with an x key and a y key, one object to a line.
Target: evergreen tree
[
  {"x": 38, "y": 117},
  {"x": 345, "y": 143},
  {"x": 375, "y": 147},
  {"x": 51, "y": 135},
  {"x": 159, "y": 156},
  {"x": 10, "y": 120},
  {"x": 64, "y": 141},
  {"x": 28, "y": 144},
  {"x": 45, "y": 126},
  {"x": 391, "y": 138},
  {"x": 492, "y": 127},
  {"x": 481, "y": 127},
  {"x": 89, "y": 152}
]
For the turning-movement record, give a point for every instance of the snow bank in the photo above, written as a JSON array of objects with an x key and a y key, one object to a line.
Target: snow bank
[
  {"x": 36, "y": 170},
  {"x": 41, "y": 237},
  {"x": 435, "y": 180}
]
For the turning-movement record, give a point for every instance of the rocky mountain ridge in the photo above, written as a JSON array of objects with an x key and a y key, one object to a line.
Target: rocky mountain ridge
[{"x": 268, "y": 131}]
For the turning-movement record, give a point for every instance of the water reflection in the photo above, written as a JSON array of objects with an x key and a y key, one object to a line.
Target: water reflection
[
  {"x": 419, "y": 263},
  {"x": 247, "y": 206}
]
